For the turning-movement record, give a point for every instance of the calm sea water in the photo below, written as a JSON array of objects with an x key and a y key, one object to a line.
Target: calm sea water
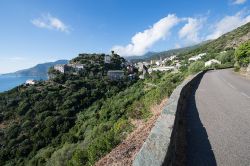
[{"x": 9, "y": 82}]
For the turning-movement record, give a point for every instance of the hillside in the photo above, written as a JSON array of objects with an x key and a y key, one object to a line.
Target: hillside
[
  {"x": 38, "y": 70},
  {"x": 77, "y": 118},
  {"x": 230, "y": 40},
  {"x": 145, "y": 56},
  {"x": 34, "y": 118},
  {"x": 164, "y": 54}
]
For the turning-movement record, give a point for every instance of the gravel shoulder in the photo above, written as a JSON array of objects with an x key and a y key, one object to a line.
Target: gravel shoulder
[{"x": 124, "y": 153}]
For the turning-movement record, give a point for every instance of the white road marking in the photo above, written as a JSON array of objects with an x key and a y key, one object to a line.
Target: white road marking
[
  {"x": 228, "y": 83},
  {"x": 231, "y": 85},
  {"x": 245, "y": 95}
]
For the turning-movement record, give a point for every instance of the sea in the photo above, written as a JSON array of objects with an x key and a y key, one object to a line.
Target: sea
[{"x": 7, "y": 82}]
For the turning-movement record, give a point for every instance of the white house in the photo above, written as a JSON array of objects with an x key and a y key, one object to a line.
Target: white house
[
  {"x": 139, "y": 66},
  {"x": 197, "y": 57},
  {"x": 30, "y": 82},
  {"x": 165, "y": 68},
  {"x": 158, "y": 63},
  {"x": 212, "y": 61},
  {"x": 172, "y": 57}
]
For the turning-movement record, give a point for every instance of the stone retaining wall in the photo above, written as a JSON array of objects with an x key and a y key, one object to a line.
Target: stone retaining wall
[{"x": 166, "y": 143}]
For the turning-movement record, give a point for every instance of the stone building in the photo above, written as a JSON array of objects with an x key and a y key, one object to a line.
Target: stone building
[
  {"x": 115, "y": 74},
  {"x": 60, "y": 67},
  {"x": 107, "y": 59}
]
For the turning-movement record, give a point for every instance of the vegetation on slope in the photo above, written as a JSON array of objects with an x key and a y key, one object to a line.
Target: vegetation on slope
[
  {"x": 75, "y": 119},
  {"x": 33, "y": 117},
  {"x": 106, "y": 123},
  {"x": 242, "y": 54}
]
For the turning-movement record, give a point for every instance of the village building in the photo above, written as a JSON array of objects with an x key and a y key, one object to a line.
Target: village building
[
  {"x": 197, "y": 57},
  {"x": 107, "y": 59},
  {"x": 79, "y": 66},
  {"x": 130, "y": 69},
  {"x": 115, "y": 74},
  {"x": 212, "y": 61},
  {"x": 152, "y": 62},
  {"x": 158, "y": 63},
  {"x": 60, "y": 67},
  {"x": 76, "y": 67},
  {"x": 164, "y": 68},
  {"x": 144, "y": 72},
  {"x": 140, "y": 66},
  {"x": 172, "y": 57},
  {"x": 30, "y": 82}
]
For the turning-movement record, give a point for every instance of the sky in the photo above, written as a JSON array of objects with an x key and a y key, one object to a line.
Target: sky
[{"x": 33, "y": 32}]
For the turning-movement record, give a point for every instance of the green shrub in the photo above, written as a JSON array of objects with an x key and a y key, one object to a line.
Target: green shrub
[
  {"x": 196, "y": 67},
  {"x": 242, "y": 54}
]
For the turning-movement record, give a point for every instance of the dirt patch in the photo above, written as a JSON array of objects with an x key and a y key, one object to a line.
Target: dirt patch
[
  {"x": 243, "y": 73},
  {"x": 124, "y": 153}
]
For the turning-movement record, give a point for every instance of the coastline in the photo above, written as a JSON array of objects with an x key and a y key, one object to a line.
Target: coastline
[{"x": 8, "y": 82}]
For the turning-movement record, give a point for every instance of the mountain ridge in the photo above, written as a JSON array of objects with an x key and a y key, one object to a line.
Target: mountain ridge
[
  {"x": 164, "y": 54},
  {"x": 37, "y": 70}
]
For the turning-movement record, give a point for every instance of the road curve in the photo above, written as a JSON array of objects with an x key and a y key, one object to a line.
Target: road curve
[{"x": 218, "y": 121}]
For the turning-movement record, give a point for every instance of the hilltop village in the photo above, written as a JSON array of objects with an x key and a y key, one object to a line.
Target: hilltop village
[{"x": 132, "y": 70}]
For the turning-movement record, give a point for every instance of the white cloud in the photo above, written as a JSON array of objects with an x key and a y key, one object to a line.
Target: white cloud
[
  {"x": 49, "y": 22},
  {"x": 229, "y": 23},
  {"x": 238, "y": 2},
  {"x": 190, "y": 31},
  {"x": 142, "y": 41}
]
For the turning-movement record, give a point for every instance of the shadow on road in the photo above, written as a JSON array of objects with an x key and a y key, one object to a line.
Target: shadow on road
[{"x": 199, "y": 150}]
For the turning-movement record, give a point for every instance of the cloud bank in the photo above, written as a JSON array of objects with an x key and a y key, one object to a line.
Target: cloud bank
[
  {"x": 188, "y": 34},
  {"x": 49, "y": 22},
  {"x": 190, "y": 31},
  {"x": 142, "y": 41},
  {"x": 229, "y": 23},
  {"x": 239, "y": 2}
]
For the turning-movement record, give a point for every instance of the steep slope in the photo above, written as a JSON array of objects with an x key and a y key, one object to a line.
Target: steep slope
[
  {"x": 37, "y": 117},
  {"x": 230, "y": 40}
]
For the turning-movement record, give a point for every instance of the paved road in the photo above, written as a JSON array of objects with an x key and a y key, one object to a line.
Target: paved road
[{"x": 218, "y": 118}]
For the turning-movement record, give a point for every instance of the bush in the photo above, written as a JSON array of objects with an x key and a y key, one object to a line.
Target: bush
[
  {"x": 196, "y": 67},
  {"x": 242, "y": 54}
]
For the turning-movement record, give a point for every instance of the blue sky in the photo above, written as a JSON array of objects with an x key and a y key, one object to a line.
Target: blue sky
[{"x": 47, "y": 30}]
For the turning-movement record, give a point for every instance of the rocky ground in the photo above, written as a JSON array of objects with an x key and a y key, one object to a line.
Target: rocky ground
[
  {"x": 124, "y": 153},
  {"x": 245, "y": 72}
]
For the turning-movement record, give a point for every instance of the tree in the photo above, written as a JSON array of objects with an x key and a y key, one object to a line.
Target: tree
[
  {"x": 195, "y": 67},
  {"x": 242, "y": 54}
]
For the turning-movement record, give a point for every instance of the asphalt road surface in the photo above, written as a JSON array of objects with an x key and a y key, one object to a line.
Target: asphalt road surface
[{"x": 218, "y": 121}]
